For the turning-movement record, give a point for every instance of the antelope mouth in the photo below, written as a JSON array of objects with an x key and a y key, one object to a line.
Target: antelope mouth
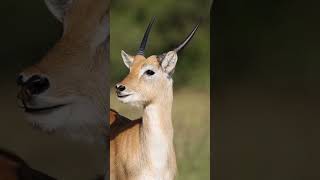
[
  {"x": 35, "y": 110},
  {"x": 41, "y": 109},
  {"x": 123, "y": 96}
]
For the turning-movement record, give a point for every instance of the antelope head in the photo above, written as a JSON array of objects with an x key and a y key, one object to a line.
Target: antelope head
[
  {"x": 150, "y": 78},
  {"x": 67, "y": 91}
]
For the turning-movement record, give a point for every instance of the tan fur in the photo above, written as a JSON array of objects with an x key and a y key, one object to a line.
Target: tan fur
[
  {"x": 83, "y": 17},
  {"x": 129, "y": 155},
  {"x": 77, "y": 67}
]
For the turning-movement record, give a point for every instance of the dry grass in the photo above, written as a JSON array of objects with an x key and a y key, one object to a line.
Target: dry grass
[{"x": 191, "y": 118}]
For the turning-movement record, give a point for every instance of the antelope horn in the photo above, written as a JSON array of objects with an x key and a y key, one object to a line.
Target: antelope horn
[
  {"x": 187, "y": 40},
  {"x": 182, "y": 45},
  {"x": 145, "y": 38}
]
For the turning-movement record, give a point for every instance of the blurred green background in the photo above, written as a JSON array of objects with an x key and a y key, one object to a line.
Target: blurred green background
[
  {"x": 191, "y": 108},
  {"x": 266, "y": 89}
]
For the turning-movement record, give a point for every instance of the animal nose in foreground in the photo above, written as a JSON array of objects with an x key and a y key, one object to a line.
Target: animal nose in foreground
[
  {"x": 120, "y": 87},
  {"x": 35, "y": 84}
]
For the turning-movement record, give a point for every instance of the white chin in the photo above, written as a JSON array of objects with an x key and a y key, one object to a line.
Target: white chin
[
  {"x": 133, "y": 100},
  {"x": 127, "y": 99},
  {"x": 78, "y": 121},
  {"x": 49, "y": 121}
]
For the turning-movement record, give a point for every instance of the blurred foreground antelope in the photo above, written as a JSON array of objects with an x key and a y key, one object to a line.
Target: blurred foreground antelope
[
  {"x": 145, "y": 150},
  {"x": 67, "y": 91}
]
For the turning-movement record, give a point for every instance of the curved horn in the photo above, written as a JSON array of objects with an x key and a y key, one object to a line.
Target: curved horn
[
  {"x": 185, "y": 42},
  {"x": 145, "y": 38}
]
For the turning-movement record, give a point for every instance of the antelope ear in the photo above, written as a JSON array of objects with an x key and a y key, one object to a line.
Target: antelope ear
[
  {"x": 103, "y": 31},
  {"x": 127, "y": 59},
  {"x": 58, "y": 7},
  {"x": 169, "y": 62}
]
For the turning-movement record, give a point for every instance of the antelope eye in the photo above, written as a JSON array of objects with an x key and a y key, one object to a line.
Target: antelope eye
[{"x": 149, "y": 72}]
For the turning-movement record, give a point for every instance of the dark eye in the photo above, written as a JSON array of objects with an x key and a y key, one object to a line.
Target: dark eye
[{"x": 149, "y": 72}]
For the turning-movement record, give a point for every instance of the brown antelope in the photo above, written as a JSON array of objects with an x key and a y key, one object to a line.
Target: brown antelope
[
  {"x": 145, "y": 150},
  {"x": 13, "y": 167},
  {"x": 67, "y": 90}
]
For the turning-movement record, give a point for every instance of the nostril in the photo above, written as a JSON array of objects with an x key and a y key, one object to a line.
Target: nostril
[
  {"x": 120, "y": 87},
  {"x": 19, "y": 80},
  {"x": 37, "y": 84}
]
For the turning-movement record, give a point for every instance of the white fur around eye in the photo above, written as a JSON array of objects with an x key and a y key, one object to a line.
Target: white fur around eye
[
  {"x": 146, "y": 76},
  {"x": 146, "y": 68}
]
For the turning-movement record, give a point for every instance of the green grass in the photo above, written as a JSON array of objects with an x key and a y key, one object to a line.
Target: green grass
[{"x": 191, "y": 119}]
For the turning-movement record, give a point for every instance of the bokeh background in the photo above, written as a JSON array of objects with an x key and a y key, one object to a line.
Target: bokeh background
[
  {"x": 266, "y": 89},
  {"x": 191, "y": 108}
]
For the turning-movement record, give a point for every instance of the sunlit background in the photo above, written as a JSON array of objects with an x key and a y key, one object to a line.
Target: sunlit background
[{"x": 191, "y": 107}]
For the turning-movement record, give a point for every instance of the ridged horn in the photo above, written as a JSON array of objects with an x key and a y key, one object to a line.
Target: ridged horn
[{"x": 145, "y": 38}]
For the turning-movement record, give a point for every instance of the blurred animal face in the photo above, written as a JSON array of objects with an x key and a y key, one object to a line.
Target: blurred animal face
[
  {"x": 66, "y": 90},
  {"x": 63, "y": 92}
]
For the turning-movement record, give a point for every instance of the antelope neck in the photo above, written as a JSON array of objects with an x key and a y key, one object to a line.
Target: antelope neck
[
  {"x": 157, "y": 118},
  {"x": 157, "y": 134}
]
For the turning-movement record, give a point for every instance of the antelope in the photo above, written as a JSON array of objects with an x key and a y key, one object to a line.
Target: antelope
[
  {"x": 66, "y": 92},
  {"x": 145, "y": 150},
  {"x": 12, "y": 167}
]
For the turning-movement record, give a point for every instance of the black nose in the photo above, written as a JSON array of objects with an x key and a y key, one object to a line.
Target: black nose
[
  {"x": 120, "y": 87},
  {"x": 35, "y": 84}
]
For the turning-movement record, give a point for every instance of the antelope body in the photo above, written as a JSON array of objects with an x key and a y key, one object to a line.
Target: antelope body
[{"x": 145, "y": 150}]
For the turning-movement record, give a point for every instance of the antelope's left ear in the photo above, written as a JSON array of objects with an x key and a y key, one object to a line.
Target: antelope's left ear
[
  {"x": 169, "y": 61},
  {"x": 127, "y": 59}
]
